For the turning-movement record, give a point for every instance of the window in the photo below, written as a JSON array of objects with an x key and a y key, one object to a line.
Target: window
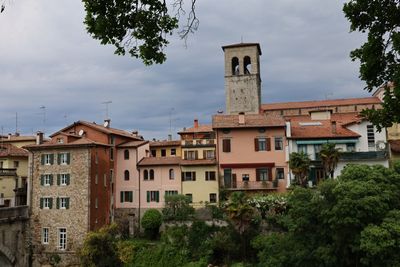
[
  {"x": 263, "y": 174},
  {"x": 302, "y": 148},
  {"x": 235, "y": 66},
  {"x": 278, "y": 143},
  {"x": 171, "y": 192},
  {"x": 153, "y": 196},
  {"x": 46, "y": 202},
  {"x": 45, "y": 235},
  {"x": 246, "y": 65},
  {"x": 163, "y": 152},
  {"x": 210, "y": 175},
  {"x": 63, "y": 158},
  {"x": 146, "y": 175},
  {"x": 280, "y": 173},
  {"x": 151, "y": 174},
  {"x": 191, "y": 155},
  {"x": 63, "y": 179},
  {"x": 245, "y": 177},
  {"x": 126, "y": 154},
  {"x": 1, "y": 164},
  {"x": 46, "y": 179},
  {"x": 16, "y": 164},
  {"x": 96, "y": 158},
  {"x": 105, "y": 179},
  {"x": 126, "y": 175},
  {"x": 96, "y": 203},
  {"x": 190, "y": 197},
  {"x": 153, "y": 153},
  {"x": 173, "y": 151},
  {"x": 371, "y": 136},
  {"x": 209, "y": 154},
  {"x": 351, "y": 147},
  {"x": 188, "y": 176},
  {"x": 62, "y": 238},
  {"x": 226, "y": 145},
  {"x": 112, "y": 153},
  {"x": 47, "y": 159},
  {"x": 126, "y": 196},
  {"x": 213, "y": 198},
  {"x": 262, "y": 144},
  {"x": 96, "y": 178},
  {"x": 171, "y": 174},
  {"x": 63, "y": 203}
]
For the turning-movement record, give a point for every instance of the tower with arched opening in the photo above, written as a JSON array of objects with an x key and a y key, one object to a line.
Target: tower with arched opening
[{"x": 242, "y": 78}]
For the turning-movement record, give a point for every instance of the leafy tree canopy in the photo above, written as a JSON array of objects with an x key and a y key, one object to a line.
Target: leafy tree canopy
[{"x": 379, "y": 55}]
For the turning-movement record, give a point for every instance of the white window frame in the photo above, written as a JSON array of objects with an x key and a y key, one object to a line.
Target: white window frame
[
  {"x": 62, "y": 238},
  {"x": 46, "y": 179},
  {"x": 63, "y": 203},
  {"x": 63, "y": 178},
  {"x": 63, "y": 158},
  {"x": 47, "y": 159},
  {"x": 210, "y": 154},
  {"x": 45, "y": 235},
  {"x": 46, "y": 203},
  {"x": 262, "y": 144}
]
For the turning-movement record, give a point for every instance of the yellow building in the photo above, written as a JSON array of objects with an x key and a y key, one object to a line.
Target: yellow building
[
  {"x": 167, "y": 148},
  {"x": 199, "y": 167}
]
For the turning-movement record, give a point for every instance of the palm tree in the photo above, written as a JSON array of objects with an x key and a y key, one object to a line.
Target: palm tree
[
  {"x": 299, "y": 163},
  {"x": 330, "y": 157}
]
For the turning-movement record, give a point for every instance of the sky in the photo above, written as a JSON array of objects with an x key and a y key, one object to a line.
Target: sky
[{"x": 53, "y": 73}]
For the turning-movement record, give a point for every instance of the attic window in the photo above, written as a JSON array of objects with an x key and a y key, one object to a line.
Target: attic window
[
  {"x": 235, "y": 66},
  {"x": 247, "y": 65}
]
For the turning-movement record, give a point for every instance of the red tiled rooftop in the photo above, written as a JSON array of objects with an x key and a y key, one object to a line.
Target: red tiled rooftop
[
  {"x": 82, "y": 141},
  {"x": 203, "y": 128},
  {"x": 320, "y": 103},
  {"x": 165, "y": 143},
  {"x": 9, "y": 150},
  {"x": 133, "y": 143},
  {"x": 155, "y": 161},
  {"x": 251, "y": 121}
]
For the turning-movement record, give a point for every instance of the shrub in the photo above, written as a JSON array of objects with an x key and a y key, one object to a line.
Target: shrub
[
  {"x": 177, "y": 208},
  {"x": 151, "y": 222}
]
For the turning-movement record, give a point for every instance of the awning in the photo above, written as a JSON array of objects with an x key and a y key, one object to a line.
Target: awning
[{"x": 319, "y": 142}]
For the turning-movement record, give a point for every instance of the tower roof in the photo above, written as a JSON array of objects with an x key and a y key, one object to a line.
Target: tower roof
[{"x": 243, "y": 45}]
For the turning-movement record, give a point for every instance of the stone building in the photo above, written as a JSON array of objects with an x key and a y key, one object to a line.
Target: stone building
[{"x": 71, "y": 187}]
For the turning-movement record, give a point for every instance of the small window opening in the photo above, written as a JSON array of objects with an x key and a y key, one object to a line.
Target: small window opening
[
  {"x": 247, "y": 65},
  {"x": 235, "y": 66}
]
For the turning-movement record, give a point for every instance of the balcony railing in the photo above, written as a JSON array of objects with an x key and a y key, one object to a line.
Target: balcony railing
[
  {"x": 8, "y": 172},
  {"x": 250, "y": 185},
  {"x": 354, "y": 156}
]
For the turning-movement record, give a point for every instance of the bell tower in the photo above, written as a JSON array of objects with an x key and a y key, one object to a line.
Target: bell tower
[{"x": 242, "y": 78}]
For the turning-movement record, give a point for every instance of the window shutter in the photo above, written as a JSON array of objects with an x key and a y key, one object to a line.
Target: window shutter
[
  {"x": 148, "y": 196},
  {"x": 42, "y": 159},
  {"x": 256, "y": 148},
  {"x": 194, "y": 176},
  {"x": 158, "y": 196},
  {"x": 67, "y": 203},
  {"x": 130, "y": 196},
  {"x": 50, "y": 203},
  {"x": 58, "y": 159},
  {"x": 51, "y": 159},
  {"x": 122, "y": 196},
  {"x": 206, "y": 177},
  {"x": 41, "y": 203},
  {"x": 204, "y": 154},
  {"x": 68, "y": 178},
  {"x": 183, "y": 176},
  {"x": 268, "y": 141},
  {"x": 51, "y": 179},
  {"x": 42, "y": 179},
  {"x": 58, "y": 203},
  {"x": 185, "y": 155},
  {"x": 68, "y": 158},
  {"x": 258, "y": 175},
  {"x": 269, "y": 174},
  {"x": 226, "y": 145},
  {"x": 234, "y": 180},
  {"x": 196, "y": 154},
  {"x": 212, "y": 176},
  {"x": 58, "y": 179}
]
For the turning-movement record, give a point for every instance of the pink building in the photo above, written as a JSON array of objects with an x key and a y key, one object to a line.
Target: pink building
[
  {"x": 251, "y": 152},
  {"x": 158, "y": 177}
]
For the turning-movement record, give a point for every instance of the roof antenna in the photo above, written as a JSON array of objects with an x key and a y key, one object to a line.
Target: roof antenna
[
  {"x": 106, "y": 103},
  {"x": 43, "y": 108},
  {"x": 241, "y": 38},
  {"x": 16, "y": 123}
]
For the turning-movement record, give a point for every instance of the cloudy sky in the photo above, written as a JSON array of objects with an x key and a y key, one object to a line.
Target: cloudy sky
[{"x": 48, "y": 60}]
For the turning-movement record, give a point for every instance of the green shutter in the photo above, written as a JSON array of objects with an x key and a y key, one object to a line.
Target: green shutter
[
  {"x": 122, "y": 196},
  {"x": 58, "y": 179},
  {"x": 41, "y": 203},
  {"x": 68, "y": 158},
  {"x": 42, "y": 159},
  {"x": 193, "y": 176},
  {"x": 148, "y": 196},
  {"x": 68, "y": 178},
  {"x": 58, "y": 159},
  {"x": 50, "y": 203},
  {"x": 67, "y": 203},
  {"x": 183, "y": 176},
  {"x": 42, "y": 179},
  {"x": 51, "y": 179},
  {"x": 130, "y": 196},
  {"x": 58, "y": 203},
  {"x": 158, "y": 196},
  {"x": 51, "y": 159}
]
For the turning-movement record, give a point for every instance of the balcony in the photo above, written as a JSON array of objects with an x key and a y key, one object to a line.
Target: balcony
[
  {"x": 198, "y": 143},
  {"x": 8, "y": 172},
  {"x": 370, "y": 155},
  {"x": 250, "y": 185}
]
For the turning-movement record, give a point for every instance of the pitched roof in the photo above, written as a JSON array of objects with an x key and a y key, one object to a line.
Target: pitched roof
[
  {"x": 251, "y": 121},
  {"x": 82, "y": 141},
  {"x": 203, "y": 128},
  {"x": 165, "y": 143},
  {"x": 395, "y": 145},
  {"x": 16, "y": 138},
  {"x": 155, "y": 161},
  {"x": 133, "y": 143},
  {"x": 302, "y": 127},
  {"x": 9, "y": 150},
  {"x": 321, "y": 103}
]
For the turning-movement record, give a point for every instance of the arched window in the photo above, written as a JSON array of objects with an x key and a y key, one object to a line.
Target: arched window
[
  {"x": 126, "y": 175},
  {"x": 151, "y": 174},
  {"x": 247, "y": 65},
  {"x": 126, "y": 154},
  {"x": 171, "y": 174},
  {"x": 235, "y": 66},
  {"x": 146, "y": 175}
]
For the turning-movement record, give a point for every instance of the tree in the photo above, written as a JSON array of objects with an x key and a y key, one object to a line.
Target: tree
[
  {"x": 299, "y": 163},
  {"x": 330, "y": 157},
  {"x": 379, "y": 56},
  {"x": 151, "y": 222},
  {"x": 177, "y": 208},
  {"x": 137, "y": 27}
]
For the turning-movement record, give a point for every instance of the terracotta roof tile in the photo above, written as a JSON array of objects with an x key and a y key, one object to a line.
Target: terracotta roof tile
[
  {"x": 133, "y": 143},
  {"x": 251, "y": 121},
  {"x": 203, "y": 128},
  {"x": 9, "y": 150},
  {"x": 165, "y": 143},
  {"x": 155, "y": 161},
  {"x": 395, "y": 145},
  {"x": 15, "y": 138},
  {"x": 320, "y": 103},
  {"x": 83, "y": 141}
]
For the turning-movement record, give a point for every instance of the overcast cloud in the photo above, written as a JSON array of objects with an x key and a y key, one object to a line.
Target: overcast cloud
[{"x": 47, "y": 59}]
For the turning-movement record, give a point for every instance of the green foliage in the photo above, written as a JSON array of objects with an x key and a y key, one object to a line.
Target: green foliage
[
  {"x": 151, "y": 222},
  {"x": 177, "y": 208},
  {"x": 100, "y": 249},
  {"x": 329, "y": 158},
  {"x": 217, "y": 212},
  {"x": 239, "y": 211},
  {"x": 396, "y": 166},
  {"x": 299, "y": 163},
  {"x": 269, "y": 204},
  {"x": 379, "y": 56}
]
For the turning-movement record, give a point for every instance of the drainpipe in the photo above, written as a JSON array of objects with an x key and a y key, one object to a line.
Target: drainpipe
[{"x": 139, "y": 205}]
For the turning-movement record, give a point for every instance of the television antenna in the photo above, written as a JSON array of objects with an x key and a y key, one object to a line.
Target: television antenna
[
  {"x": 106, "y": 103},
  {"x": 43, "y": 108}
]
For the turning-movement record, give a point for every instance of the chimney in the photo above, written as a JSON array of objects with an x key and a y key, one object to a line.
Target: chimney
[
  {"x": 135, "y": 133},
  {"x": 196, "y": 123},
  {"x": 333, "y": 123},
  {"x": 107, "y": 123},
  {"x": 241, "y": 118},
  {"x": 17, "y": 134},
  {"x": 39, "y": 138},
  {"x": 170, "y": 137},
  {"x": 9, "y": 136}
]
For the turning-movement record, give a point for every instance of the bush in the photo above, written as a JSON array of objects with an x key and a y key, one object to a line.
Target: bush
[
  {"x": 177, "y": 208},
  {"x": 151, "y": 222}
]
